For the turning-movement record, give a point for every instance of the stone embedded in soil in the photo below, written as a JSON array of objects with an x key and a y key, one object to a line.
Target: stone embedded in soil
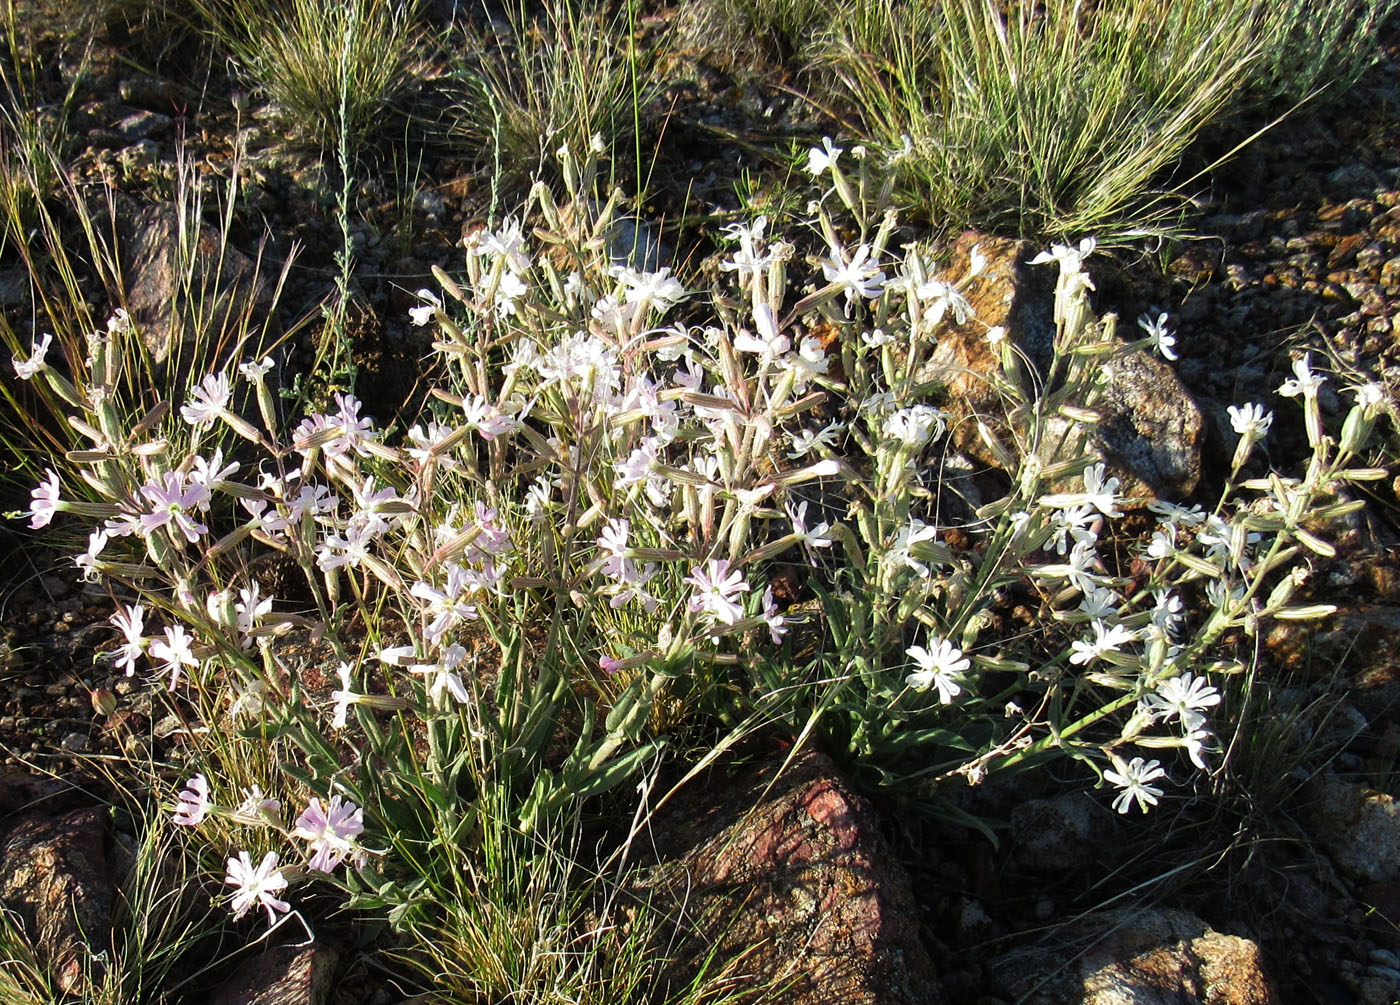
[
  {"x": 282, "y": 975},
  {"x": 55, "y": 875},
  {"x": 1359, "y": 827},
  {"x": 1152, "y": 430},
  {"x": 794, "y": 881},
  {"x": 1149, "y": 957},
  {"x": 1050, "y": 835},
  {"x": 160, "y": 299}
]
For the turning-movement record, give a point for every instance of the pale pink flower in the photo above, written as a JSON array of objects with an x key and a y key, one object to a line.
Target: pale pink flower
[
  {"x": 194, "y": 802},
  {"x": 44, "y": 501},
  {"x": 172, "y": 501},
  {"x": 207, "y": 400},
  {"x": 715, "y": 590},
  {"x": 332, "y": 832},
  {"x": 174, "y": 650},
  {"x": 256, "y": 885}
]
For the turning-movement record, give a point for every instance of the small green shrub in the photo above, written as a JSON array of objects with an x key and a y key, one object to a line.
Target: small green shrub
[
  {"x": 328, "y": 68},
  {"x": 568, "y": 78},
  {"x": 1046, "y": 122},
  {"x": 1311, "y": 49}
]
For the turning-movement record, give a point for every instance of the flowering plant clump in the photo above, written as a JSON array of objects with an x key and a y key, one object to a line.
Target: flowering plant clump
[{"x": 579, "y": 539}]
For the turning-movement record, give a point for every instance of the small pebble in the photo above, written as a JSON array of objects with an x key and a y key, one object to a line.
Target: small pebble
[{"x": 74, "y": 743}]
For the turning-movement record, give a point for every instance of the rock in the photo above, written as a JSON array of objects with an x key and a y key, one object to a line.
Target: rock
[
  {"x": 176, "y": 296},
  {"x": 22, "y": 790},
  {"x": 1151, "y": 957},
  {"x": 54, "y": 874},
  {"x": 797, "y": 881},
  {"x": 1052, "y": 835},
  {"x": 1151, "y": 432},
  {"x": 142, "y": 125},
  {"x": 282, "y": 975},
  {"x": 153, "y": 93},
  {"x": 1359, "y": 827},
  {"x": 14, "y": 287}
]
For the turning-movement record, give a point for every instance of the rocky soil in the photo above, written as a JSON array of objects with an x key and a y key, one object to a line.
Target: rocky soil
[{"x": 1252, "y": 889}]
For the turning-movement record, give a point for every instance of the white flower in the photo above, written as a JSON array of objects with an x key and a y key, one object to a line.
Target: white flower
[
  {"x": 915, "y": 426},
  {"x": 1304, "y": 381},
  {"x": 44, "y": 501},
  {"x": 816, "y": 537},
  {"x": 1184, "y": 698},
  {"x": 344, "y": 697},
  {"x": 769, "y": 342},
  {"x": 941, "y": 297},
  {"x": 1369, "y": 395},
  {"x": 777, "y": 627},
  {"x": 26, "y": 369},
  {"x": 1133, "y": 781},
  {"x": 1158, "y": 334},
  {"x": 1106, "y": 640},
  {"x": 659, "y": 289},
  {"x": 255, "y": 372},
  {"x": 939, "y": 667},
  {"x": 1250, "y": 420},
  {"x": 1070, "y": 259},
  {"x": 444, "y": 677},
  {"x": 823, "y": 157},
  {"x": 422, "y": 314},
  {"x": 207, "y": 400},
  {"x": 917, "y": 532},
  {"x": 856, "y": 278},
  {"x": 174, "y": 650},
  {"x": 256, "y": 886},
  {"x": 804, "y": 441},
  {"x": 1099, "y": 602},
  {"x": 1099, "y": 492}
]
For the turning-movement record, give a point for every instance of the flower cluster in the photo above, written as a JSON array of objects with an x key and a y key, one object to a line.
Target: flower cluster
[{"x": 612, "y": 497}]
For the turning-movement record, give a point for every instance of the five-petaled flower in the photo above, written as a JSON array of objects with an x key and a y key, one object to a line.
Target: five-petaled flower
[
  {"x": 332, "y": 832},
  {"x": 939, "y": 666},
  {"x": 174, "y": 650},
  {"x": 1184, "y": 698},
  {"x": 44, "y": 501},
  {"x": 715, "y": 590},
  {"x": 257, "y": 885},
  {"x": 1133, "y": 780},
  {"x": 194, "y": 802}
]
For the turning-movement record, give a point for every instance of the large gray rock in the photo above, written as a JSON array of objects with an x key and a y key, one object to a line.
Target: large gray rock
[
  {"x": 184, "y": 288},
  {"x": 1358, "y": 826},
  {"x": 1151, "y": 432},
  {"x": 789, "y": 873},
  {"x": 1149, "y": 957}
]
